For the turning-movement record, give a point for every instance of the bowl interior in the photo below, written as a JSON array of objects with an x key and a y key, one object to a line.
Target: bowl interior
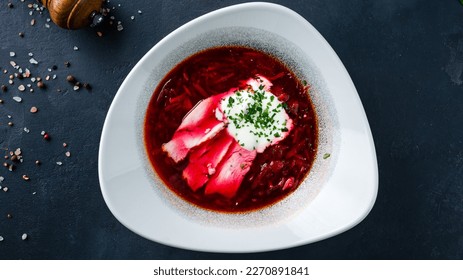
[{"x": 303, "y": 67}]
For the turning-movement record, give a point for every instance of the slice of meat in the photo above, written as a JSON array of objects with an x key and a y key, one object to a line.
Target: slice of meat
[
  {"x": 199, "y": 125},
  {"x": 230, "y": 173},
  {"x": 205, "y": 158}
]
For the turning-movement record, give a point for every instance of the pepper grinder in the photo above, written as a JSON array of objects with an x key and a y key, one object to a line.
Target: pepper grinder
[{"x": 74, "y": 14}]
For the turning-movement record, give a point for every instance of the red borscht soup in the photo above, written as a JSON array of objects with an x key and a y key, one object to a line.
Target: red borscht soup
[{"x": 231, "y": 129}]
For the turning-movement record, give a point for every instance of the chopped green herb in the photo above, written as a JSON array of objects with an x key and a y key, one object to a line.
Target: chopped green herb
[
  {"x": 230, "y": 101},
  {"x": 326, "y": 155}
]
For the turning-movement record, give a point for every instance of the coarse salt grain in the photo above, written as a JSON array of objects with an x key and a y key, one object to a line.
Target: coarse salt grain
[
  {"x": 59, "y": 163},
  {"x": 17, "y": 99},
  {"x": 12, "y": 54},
  {"x": 76, "y": 48},
  {"x": 1, "y": 238},
  {"x": 26, "y": 130},
  {"x": 24, "y": 236},
  {"x": 33, "y": 61}
]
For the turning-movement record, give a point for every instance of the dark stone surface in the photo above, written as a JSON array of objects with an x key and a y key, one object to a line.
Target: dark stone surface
[{"x": 405, "y": 58}]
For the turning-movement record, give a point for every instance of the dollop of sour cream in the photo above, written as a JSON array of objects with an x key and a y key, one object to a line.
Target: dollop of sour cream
[{"x": 254, "y": 116}]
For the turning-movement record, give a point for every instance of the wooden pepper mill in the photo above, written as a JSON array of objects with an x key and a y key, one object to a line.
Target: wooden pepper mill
[{"x": 74, "y": 14}]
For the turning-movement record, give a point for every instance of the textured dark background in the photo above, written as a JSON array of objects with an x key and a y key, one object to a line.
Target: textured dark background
[{"x": 405, "y": 58}]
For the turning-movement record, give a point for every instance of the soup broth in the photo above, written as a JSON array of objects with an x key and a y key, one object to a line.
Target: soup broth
[{"x": 231, "y": 129}]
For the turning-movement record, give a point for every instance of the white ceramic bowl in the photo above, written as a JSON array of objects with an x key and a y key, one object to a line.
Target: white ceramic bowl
[{"x": 339, "y": 191}]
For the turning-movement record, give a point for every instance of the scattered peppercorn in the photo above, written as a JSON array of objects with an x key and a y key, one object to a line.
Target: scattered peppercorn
[
  {"x": 87, "y": 86},
  {"x": 21, "y": 34},
  {"x": 9, "y": 216},
  {"x": 67, "y": 63},
  {"x": 46, "y": 136},
  {"x": 26, "y": 178},
  {"x": 40, "y": 84},
  {"x": 37, "y": 162},
  {"x": 34, "y": 110},
  {"x": 4, "y": 88},
  {"x": 54, "y": 67},
  {"x": 10, "y": 5},
  {"x": 71, "y": 79}
]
